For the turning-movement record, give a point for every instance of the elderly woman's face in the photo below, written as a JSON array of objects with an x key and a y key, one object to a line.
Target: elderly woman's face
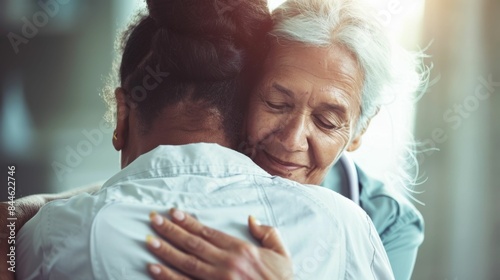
[{"x": 303, "y": 113}]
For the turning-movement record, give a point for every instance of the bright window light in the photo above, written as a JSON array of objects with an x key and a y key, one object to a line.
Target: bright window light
[
  {"x": 274, "y": 3},
  {"x": 385, "y": 140}
]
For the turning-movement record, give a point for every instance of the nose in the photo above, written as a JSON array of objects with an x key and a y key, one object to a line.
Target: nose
[{"x": 293, "y": 134}]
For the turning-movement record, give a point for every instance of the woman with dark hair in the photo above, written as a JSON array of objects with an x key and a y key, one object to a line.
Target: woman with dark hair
[{"x": 185, "y": 71}]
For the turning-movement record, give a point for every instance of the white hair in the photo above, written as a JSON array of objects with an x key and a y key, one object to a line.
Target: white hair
[{"x": 389, "y": 70}]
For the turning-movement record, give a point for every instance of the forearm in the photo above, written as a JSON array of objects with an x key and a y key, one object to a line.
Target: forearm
[{"x": 402, "y": 253}]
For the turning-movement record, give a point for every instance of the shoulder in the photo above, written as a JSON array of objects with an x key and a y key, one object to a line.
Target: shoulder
[
  {"x": 338, "y": 215},
  {"x": 341, "y": 230},
  {"x": 390, "y": 211},
  {"x": 325, "y": 200},
  {"x": 48, "y": 242},
  {"x": 98, "y": 228},
  {"x": 64, "y": 218},
  {"x": 366, "y": 257}
]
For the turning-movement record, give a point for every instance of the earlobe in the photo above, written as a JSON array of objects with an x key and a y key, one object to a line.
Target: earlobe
[
  {"x": 122, "y": 113},
  {"x": 355, "y": 143}
]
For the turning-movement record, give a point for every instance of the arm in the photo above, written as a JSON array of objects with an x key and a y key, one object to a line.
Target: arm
[
  {"x": 401, "y": 229},
  {"x": 212, "y": 254},
  {"x": 401, "y": 242},
  {"x": 367, "y": 257},
  {"x": 25, "y": 209},
  {"x": 399, "y": 224}
]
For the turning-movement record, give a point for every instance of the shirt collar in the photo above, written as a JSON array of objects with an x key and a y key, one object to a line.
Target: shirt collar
[{"x": 205, "y": 159}]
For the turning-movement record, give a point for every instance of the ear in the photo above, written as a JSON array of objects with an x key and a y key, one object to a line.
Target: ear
[
  {"x": 356, "y": 142},
  {"x": 122, "y": 121}
]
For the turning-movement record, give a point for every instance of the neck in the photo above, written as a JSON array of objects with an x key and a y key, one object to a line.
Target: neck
[{"x": 175, "y": 126}]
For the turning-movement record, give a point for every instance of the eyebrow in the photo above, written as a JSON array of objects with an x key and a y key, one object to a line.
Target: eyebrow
[{"x": 283, "y": 89}]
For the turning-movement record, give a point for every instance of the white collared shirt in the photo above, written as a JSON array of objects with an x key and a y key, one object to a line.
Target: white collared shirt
[{"x": 102, "y": 236}]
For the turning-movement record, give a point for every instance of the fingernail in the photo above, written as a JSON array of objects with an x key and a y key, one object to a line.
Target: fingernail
[
  {"x": 154, "y": 269},
  {"x": 156, "y": 219},
  {"x": 178, "y": 215},
  {"x": 153, "y": 242},
  {"x": 255, "y": 221}
]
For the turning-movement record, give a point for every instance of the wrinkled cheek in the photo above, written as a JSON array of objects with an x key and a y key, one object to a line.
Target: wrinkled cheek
[
  {"x": 263, "y": 127},
  {"x": 327, "y": 153},
  {"x": 331, "y": 156},
  {"x": 323, "y": 164},
  {"x": 254, "y": 132}
]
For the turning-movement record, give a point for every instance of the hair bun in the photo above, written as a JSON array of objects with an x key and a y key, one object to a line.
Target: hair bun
[
  {"x": 238, "y": 19},
  {"x": 196, "y": 17},
  {"x": 211, "y": 50},
  {"x": 194, "y": 59},
  {"x": 206, "y": 40}
]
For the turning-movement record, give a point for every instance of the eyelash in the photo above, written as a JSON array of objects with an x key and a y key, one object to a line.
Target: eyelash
[
  {"x": 325, "y": 125},
  {"x": 276, "y": 107},
  {"x": 282, "y": 107}
]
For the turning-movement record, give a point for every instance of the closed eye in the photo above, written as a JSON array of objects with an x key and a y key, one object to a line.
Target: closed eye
[
  {"x": 277, "y": 106},
  {"x": 324, "y": 123}
]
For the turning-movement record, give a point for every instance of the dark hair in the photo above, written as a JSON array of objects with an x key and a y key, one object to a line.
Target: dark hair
[{"x": 211, "y": 50}]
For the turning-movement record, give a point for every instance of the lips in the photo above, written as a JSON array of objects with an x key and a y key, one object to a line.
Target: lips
[{"x": 282, "y": 166}]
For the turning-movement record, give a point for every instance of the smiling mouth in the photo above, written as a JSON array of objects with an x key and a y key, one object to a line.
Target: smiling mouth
[{"x": 282, "y": 165}]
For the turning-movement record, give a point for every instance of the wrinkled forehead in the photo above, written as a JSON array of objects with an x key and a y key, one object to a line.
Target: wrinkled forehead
[
  {"x": 335, "y": 63},
  {"x": 331, "y": 69},
  {"x": 331, "y": 74}
]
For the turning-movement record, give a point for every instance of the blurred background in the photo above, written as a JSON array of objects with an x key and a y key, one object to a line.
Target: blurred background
[{"x": 56, "y": 55}]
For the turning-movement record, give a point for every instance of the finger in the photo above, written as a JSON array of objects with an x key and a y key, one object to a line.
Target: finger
[
  {"x": 215, "y": 237},
  {"x": 185, "y": 263},
  {"x": 268, "y": 236},
  {"x": 161, "y": 272},
  {"x": 185, "y": 240}
]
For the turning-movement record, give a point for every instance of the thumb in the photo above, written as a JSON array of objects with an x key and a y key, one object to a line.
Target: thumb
[{"x": 268, "y": 236}]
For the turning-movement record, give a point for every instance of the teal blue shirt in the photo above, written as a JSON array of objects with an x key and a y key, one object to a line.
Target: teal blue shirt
[{"x": 398, "y": 223}]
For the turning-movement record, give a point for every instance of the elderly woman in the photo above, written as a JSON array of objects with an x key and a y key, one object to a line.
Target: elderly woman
[
  {"x": 324, "y": 78},
  {"x": 329, "y": 69}
]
